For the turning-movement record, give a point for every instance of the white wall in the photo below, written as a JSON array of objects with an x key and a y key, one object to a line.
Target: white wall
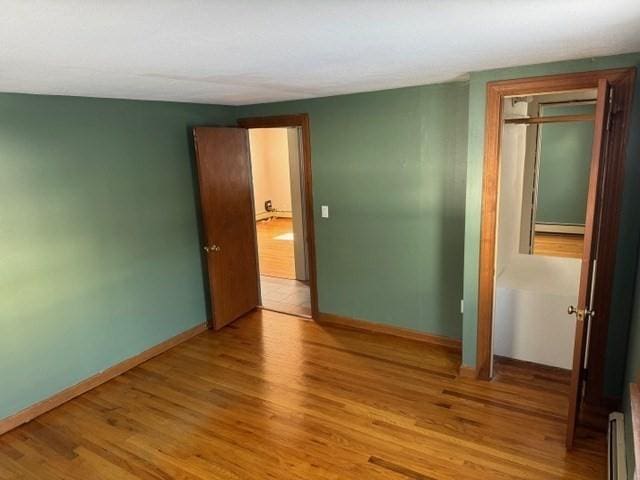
[
  {"x": 532, "y": 291},
  {"x": 530, "y": 314},
  {"x": 297, "y": 205},
  {"x": 514, "y": 143},
  {"x": 270, "y": 169}
]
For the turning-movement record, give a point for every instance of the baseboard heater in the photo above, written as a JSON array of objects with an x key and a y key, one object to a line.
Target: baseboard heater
[
  {"x": 561, "y": 228},
  {"x": 616, "y": 459}
]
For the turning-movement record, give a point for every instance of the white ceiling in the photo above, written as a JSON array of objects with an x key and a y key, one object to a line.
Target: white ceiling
[{"x": 252, "y": 51}]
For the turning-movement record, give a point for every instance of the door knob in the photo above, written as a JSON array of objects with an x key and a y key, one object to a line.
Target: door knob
[
  {"x": 586, "y": 313},
  {"x": 212, "y": 248}
]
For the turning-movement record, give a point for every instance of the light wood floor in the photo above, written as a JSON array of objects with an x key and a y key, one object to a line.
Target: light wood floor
[
  {"x": 273, "y": 396},
  {"x": 558, "y": 245},
  {"x": 276, "y": 257}
]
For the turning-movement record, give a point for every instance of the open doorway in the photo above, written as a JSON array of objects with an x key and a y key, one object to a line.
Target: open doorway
[
  {"x": 229, "y": 220},
  {"x": 589, "y": 315},
  {"x": 278, "y": 191},
  {"x": 546, "y": 155}
]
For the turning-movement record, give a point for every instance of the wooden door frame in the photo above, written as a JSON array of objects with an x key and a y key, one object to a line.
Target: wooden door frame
[
  {"x": 301, "y": 121},
  {"x": 622, "y": 81}
]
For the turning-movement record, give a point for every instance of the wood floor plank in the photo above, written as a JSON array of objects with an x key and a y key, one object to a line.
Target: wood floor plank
[
  {"x": 277, "y": 397},
  {"x": 276, "y": 256},
  {"x": 558, "y": 245}
]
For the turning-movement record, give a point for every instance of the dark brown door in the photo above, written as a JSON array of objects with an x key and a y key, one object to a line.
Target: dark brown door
[
  {"x": 224, "y": 173},
  {"x": 588, "y": 275}
]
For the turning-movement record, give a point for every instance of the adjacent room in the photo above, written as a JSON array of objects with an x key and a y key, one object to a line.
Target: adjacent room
[
  {"x": 278, "y": 182},
  {"x": 354, "y": 240}
]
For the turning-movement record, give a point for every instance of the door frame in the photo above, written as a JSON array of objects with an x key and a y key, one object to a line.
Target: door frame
[
  {"x": 300, "y": 120},
  {"x": 622, "y": 81}
]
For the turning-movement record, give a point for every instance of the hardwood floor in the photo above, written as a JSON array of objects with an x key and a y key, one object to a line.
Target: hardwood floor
[
  {"x": 276, "y": 256},
  {"x": 273, "y": 396},
  {"x": 558, "y": 245}
]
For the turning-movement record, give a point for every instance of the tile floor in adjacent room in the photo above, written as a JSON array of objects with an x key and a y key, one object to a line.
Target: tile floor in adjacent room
[{"x": 284, "y": 295}]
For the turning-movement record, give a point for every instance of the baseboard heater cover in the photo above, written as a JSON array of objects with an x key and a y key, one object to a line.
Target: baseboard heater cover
[
  {"x": 616, "y": 458},
  {"x": 559, "y": 228}
]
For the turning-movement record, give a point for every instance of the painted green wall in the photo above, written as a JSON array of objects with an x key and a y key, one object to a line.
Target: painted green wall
[
  {"x": 98, "y": 227},
  {"x": 565, "y": 159},
  {"x": 99, "y": 232},
  {"x": 391, "y": 167},
  {"x": 629, "y": 229}
]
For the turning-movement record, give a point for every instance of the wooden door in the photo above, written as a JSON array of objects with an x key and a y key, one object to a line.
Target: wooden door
[
  {"x": 584, "y": 309},
  {"x": 224, "y": 173}
]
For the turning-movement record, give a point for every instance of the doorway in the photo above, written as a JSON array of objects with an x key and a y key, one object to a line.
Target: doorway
[
  {"x": 278, "y": 191},
  {"x": 545, "y": 159},
  {"x": 614, "y": 89},
  {"x": 229, "y": 219}
]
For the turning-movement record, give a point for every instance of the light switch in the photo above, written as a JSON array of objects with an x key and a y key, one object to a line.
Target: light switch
[{"x": 325, "y": 211}]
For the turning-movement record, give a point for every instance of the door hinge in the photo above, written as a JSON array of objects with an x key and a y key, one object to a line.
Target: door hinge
[{"x": 609, "y": 110}]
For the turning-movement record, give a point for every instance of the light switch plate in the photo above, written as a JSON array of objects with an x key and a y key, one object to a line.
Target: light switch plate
[{"x": 325, "y": 211}]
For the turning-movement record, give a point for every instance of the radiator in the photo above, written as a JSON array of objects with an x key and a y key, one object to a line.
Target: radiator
[{"x": 616, "y": 459}]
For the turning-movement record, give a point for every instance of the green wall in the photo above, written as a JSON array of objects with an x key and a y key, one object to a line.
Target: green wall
[
  {"x": 629, "y": 229},
  {"x": 565, "y": 160},
  {"x": 98, "y": 233},
  {"x": 391, "y": 167}
]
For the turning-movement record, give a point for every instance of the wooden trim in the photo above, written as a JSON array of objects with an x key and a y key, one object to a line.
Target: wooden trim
[
  {"x": 623, "y": 81},
  {"x": 527, "y": 365},
  {"x": 610, "y": 226},
  {"x": 563, "y": 82},
  {"x": 37, "y": 409},
  {"x": 299, "y": 120},
  {"x": 486, "y": 284},
  {"x": 466, "y": 371},
  {"x": 367, "y": 326}
]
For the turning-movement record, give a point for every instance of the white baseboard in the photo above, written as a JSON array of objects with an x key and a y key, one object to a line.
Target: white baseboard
[
  {"x": 276, "y": 214},
  {"x": 557, "y": 228}
]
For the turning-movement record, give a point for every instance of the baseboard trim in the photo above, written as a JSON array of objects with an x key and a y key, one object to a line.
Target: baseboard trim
[
  {"x": 559, "y": 228},
  {"x": 515, "y": 362},
  {"x": 273, "y": 214},
  {"x": 466, "y": 371},
  {"x": 37, "y": 409},
  {"x": 367, "y": 326}
]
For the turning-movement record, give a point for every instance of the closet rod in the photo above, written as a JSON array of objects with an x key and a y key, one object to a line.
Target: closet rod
[{"x": 553, "y": 119}]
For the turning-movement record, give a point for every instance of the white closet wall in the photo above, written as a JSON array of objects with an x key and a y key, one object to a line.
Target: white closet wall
[
  {"x": 270, "y": 169},
  {"x": 532, "y": 291}
]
